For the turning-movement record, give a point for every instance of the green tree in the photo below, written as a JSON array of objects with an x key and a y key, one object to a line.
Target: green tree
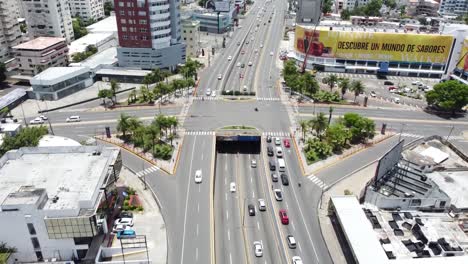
[
  {"x": 321, "y": 148},
  {"x": 23, "y": 28},
  {"x": 319, "y": 124},
  {"x": 390, "y": 3},
  {"x": 309, "y": 83},
  {"x": 360, "y": 127},
  {"x": 105, "y": 93},
  {"x": 330, "y": 112},
  {"x": 337, "y": 136},
  {"x": 124, "y": 124},
  {"x": 331, "y": 81},
  {"x": 2, "y": 72},
  {"x": 154, "y": 133},
  {"x": 402, "y": 11},
  {"x": 450, "y": 96},
  {"x": 373, "y": 8},
  {"x": 79, "y": 28},
  {"x": 192, "y": 67},
  {"x": 132, "y": 97},
  {"x": 108, "y": 8},
  {"x": 345, "y": 14},
  {"x": 27, "y": 137},
  {"x": 114, "y": 87},
  {"x": 357, "y": 87},
  {"x": 327, "y": 5},
  {"x": 4, "y": 248},
  {"x": 202, "y": 3},
  {"x": 344, "y": 85},
  {"x": 304, "y": 124}
]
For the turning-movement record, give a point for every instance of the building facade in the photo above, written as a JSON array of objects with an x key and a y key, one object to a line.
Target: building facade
[
  {"x": 308, "y": 11},
  {"x": 87, "y": 9},
  {"x": 149, "y": 33},
  {"x": 191, "y": 36},
  {"x": 52, "y": 199},
  {"x": 453, "y": 7},
  {"x": 41, "y": 53},
  {"x": 213, "y": 22},
  {"x": 10, "y": 33},
  {"x": 48, "y": 18}
]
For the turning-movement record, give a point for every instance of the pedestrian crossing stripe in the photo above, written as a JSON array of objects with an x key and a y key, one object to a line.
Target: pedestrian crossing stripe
[
  {"x": 373, "y": 76},
  {"x": 207, "y": 98},
  {"x": 277, "y": 134},
  {"x": 199, "y": 133},
  {"x": 317, "y": 182},
  {"x": 147, "y": 171},
  {"x": 268, "y": 99},
  {"x": 411, "y": 135}
]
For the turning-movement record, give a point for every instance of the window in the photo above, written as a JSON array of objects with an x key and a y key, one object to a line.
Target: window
[
  {"x": 125, "y": 37},
  {"x": 130, "y": 13},
  {"x": 142, "y": 13},
  {"x": 143, "y": 30},
  {"x": 144, "y": 38},
  {"x": 124, "y": 29},
  {"x": 416, "y": 202},
  {"x": 123, "y": 21},
  {"x": 142, "y": 22},
  {"x": 442, "y": 204},
  {"x": 32, "y": 230},
  {"x": 35, "y": 243},
  {"x": 122, "y": 12},
  {"x": 121, "y": 4},
  {"x": 129, "y": 4}
]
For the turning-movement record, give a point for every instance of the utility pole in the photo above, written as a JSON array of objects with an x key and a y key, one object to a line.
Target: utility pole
[
  {"x": 401, "y": 132},
  {"x": 450, "y": 133}
]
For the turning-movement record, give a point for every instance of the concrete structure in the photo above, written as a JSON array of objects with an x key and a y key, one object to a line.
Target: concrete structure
[
  {"x": 50, "y": 18},
  {"x": 212, "y": 22},
  {"x": 423, "y": 7},
  {"x": 149, "y": 34},
  {"x": 57, "y": 141},
  {"x": 101, "y": 41},
  {"x": 58, "y": 82},
  {"x": 453, "y": 7},
  {"x": 87, "y": 9},
  {"x": 104, "y": 59},
  {"x": 367, "y": 21},
  {"x": 10, "y": 33},
  {"x": 41, "y": 53},
  {"x": 308, "y": 11},
  {"x": 191, "y": 36},
  {"x": 50, "y": 199},
  {"x": 10, "y": 129},
  {"x": 106, "y": 25},
  {"x": 374, "y": 236}
]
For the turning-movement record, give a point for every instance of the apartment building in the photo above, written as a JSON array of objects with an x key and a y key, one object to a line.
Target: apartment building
[
  {"x": 149, "y": 34},
  {"x": 308, "y": 11},
  {"x": 191, "y": 35},
  {"x": 52, "y": 200},
  {"x": 453, "y": 7},
  {"x": 87, "y": 9},
  {"x": 41, "y": 53},
  {"x": 48, "y": 18},
  {"x": 10, "y": 33}
]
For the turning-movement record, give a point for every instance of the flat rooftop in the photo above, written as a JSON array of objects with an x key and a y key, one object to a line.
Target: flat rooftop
[
  {"x": 106, "y": 25},
  {"x": 94, "y": 39},
  {"x": 39, "y": 43},
  {"x": 74, "y": 174},
  {"x": 55, "y": 75},
  {"x": 105, "y": 58}
]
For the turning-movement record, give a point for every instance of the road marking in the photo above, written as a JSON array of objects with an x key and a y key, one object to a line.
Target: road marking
[
  {"x": 202, "y": 156},
  {"x": 229, "y": 235},
  {"x": 198, "y": 207},
  {"x": 225, "y": 196},
  {"x": 253, "y": 194},
  {"x": 196, "y": 254},
  {"x": 258, "y": 225},
  {"x": 186, "y": 204},
  {"x": 292, "y": 224},
  {"x": 286, "y": 202},
  {"x": 299, "y": 245},
  {"x": 251, "y": 180},
  {"x": 227, "y": 215},
  {"x": 197, "y": 229},
  {"x": 230, "y": 258}
]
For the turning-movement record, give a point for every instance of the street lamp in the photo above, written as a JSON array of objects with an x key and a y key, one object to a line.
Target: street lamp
[
  {"x": 450, "y": 133},
  {"x": 401, "y": 131}
]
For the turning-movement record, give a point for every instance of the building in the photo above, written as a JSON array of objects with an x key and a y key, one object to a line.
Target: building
[
  {"x": 48, "y": 18},
  {"x": 367, "y": 21},
  {"x": 58, "y": 82},
  {"x": 149, "y": 34},
  {"x": 227, "y": 7},
  {"x": 308, "y": 11},
  {"x": 376, "y": 50},
  {"x": 461, "y": 70},
  {"x": 213, "y": 22},
  {"x": 106, "y": 25},
  {"x": 101, "y": 41},
  {"x": 10, "y": 33},
  {"x": 52, "y": 198},
  {"x": 87, "y": 9},
  {"x": 453, "y": 7},
  {"x": 423, "y": 7},
  {"x": 41, "y": 53},
  {"x": 191, "y": 36}
]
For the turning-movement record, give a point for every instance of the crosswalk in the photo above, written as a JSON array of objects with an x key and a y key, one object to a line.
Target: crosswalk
[
  {"x": 147, "y": 171},
  {"x": 205, "y": 98},
  {"x": 373, "y": 76},
  {"x": 268, "y": 99},
  {"x": 199, "y": 133},
  {"x": 411, "y": 135},
  {"x": 276, "y": 134},
  {"x": 317, "y": 182}
]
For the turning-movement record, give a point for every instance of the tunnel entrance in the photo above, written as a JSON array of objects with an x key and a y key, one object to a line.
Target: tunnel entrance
[{"x": 244, "y": 144}]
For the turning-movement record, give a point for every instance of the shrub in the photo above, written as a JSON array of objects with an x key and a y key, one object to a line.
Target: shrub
[
  {"x": 311, "y": 156},
  {"x": 327, "y": 97},
  {"x": 320, "y": 148},
  {"x": 237, "y": 93},
  {"x": 162, "y": 151}
]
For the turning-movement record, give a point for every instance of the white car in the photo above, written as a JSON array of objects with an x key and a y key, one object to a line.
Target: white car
[
  {"x": 232, "y": 187},
  {"x": 296, "y": 260},
  {"x": 373, "y": 94},
  {"x": 396, "y": 100},
  {"x": 258, "y": 248},
  {"x": 261, "y": 205},
  {"x": 120, "y": 227},
  {"x": 261, "y": 45},
  {"x": 238, "y": 64},
  {"x": 36, "y": 120},
  {"x": 220, "y": 76},
  {"x": 208, "y": 92},
  {"x": 73, "y": 119},
  {"x": 43, "y": 117},
  {"x": 250, "y": 63},
  {"x": 213, "y": 94},
  {"x": 229, "y": 58},
  {"x": 245, "y": 88},
  {"x": 124, "y": 221},
  {"x": 279, "y": 152},
  {"x": 198, "y": 176},
  {"x": 277, "y": 141},
  {"x": 256, "y": 50},
  {"x": 253, "y": 163},
  {"x": 416, "y": 83},
  {"x": 271, "y": 53},
  {"x": 278, "y": 194}
]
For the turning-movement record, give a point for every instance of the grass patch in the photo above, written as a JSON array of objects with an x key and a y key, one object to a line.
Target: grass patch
[{"x": 237, "y": 127}]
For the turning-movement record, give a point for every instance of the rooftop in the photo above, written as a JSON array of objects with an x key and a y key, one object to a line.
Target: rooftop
[
  {"x": 95, "y": 39},
  {"x": 9, "y": 127},
  {"x": 55, "y": 75},
  {"x": 74, "y": 174},
  {"x": 57, "y": 141},
  {"x": 123, "y": 72},
  {"x": 106, "y": 25},
  {"x": 107, "y": 57},
  {"x": 455, "y": 184},
  {"x": 39, "y": 43}
]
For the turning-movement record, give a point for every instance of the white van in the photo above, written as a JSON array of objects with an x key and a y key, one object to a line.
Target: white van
[
  {"x": 281, "y": 165},
  {"x": 73, "y": 119}
]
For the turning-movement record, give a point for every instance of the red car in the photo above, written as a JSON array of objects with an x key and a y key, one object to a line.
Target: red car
[
  {"x": 243, "y": 52},
  {"x": 286, "y": 143},
  {"x": 283, "y": 216},
  {"x": 391, "y": 88}
]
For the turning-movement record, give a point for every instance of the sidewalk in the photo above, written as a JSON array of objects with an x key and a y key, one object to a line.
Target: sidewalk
[
  {"x": 150, "y": 222},
  {"x": 354, "y": 183}
]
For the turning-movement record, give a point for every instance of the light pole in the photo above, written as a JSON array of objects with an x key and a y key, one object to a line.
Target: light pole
[
  {"x": 450, "y": 133},
  {"x": 401, "y": 131}
]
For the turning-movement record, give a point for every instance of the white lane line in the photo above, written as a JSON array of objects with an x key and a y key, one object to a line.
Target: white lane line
[
  {"x": 251, "y": 180},
  {"x": 230, "y": 258},
  {"x": 258, "y": 225},
  {"x": 225, "y": 196},
  {"x": 253, "y": 194},
  {"x": 225, "y": 181},
  {"x": 198, "y": 207},
  {"x": 229, "y": 235},
  {"x": 287, "y": 206},
  {"x": 202, "y": 156},
  {"x": 186, "y": 204},
  {"x": 197, "y": 229},
  {"x": 196, "y": 254},
  {"x": 299, "y": 245},
  {"x": 292, "y": 224},
  {"x": 227, "y": 215}
]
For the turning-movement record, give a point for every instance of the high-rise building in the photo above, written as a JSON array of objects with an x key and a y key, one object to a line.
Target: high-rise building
[
  {"x": 48, "y": 18},
  {"x": 149, "y": 33},
  {"x": 453, "y": 7},
  {"x": 10, "y": 33},
  {"x": 308, "y": 11},
  {"x": 87, "y": 9}
]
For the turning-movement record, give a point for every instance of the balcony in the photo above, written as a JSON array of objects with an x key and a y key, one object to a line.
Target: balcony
[
  {"x": 161, "y": 32},
  {"x": 160, "y": 16},
  {"x": 159, "y": 8},
  {"x": 160, "y": 24}
]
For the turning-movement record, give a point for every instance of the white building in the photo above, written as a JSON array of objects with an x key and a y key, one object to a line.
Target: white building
[
  {"x": 453, "y": 7},
  {"x": 10, "y": 33},
  {"x": 48, "y": 18},
  {"x": 49, "y": 199},
  {"x": 351, "y": 4},
  {"x": 191, "y": 35},
  {"x": 87, "y": 9}
]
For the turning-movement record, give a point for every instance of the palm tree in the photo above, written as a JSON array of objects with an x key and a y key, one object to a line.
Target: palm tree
[
  {"x": 134, "y": 124},
  {"x": 132, "y": 97},
  {"x": 344, "y": 86},
  {"x": 114, "y": 86},
  {"x": 358, "y": 88},
  {"x": 332, "y": 80},
  {"x": 319, "y": 124},
  {"x": 123, "y": 124},
  {"x": 304, "y": 124},
  {"x": 154, "y": 133},
  {"x": 174, "y": 123}
]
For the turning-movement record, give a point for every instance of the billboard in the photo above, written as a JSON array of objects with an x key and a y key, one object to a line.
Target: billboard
[
  {"x": 222, "y": 6},
  {"x": 378, "y": 46},
  {"x": 463, "y": 63},
  {"x": 388, "y": 162}
]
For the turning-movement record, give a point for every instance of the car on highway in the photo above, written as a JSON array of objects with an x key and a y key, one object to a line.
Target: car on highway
[
  {"x": 274, "y": 177},
  {"x": 242, "y": 65},
  {"x": 36, "y": 121},
  {"x": 373, "y": 94},
  {"x": 220, "y": 76},
  {"x": 291, "y": 241},
  {"x": 258, "y": 248},
  {"x": 286, "y": 143},
  {"x": 279, "y": 152},
  {"x": 270, "y": 151},
  {"x": 261, "y": 205},
  {"x": 284, "y": 216},
  {"x": 272, "y": 165},
  {"x": 277, "y": 141},
  {"x": 208, "y": 92},
  {"x": 261, "y": 45},
  {"x": 250, "y": 63},
  {"x": 43, "y": 117},
  {"x": 213, "y": 94},
  {"x": 251, "y": 209},
  {"x": 396, "y": 100},
  {"x": 296, "y": 260},
  {"x": 284, "y": 179},
  {"x": 278, "y": 194},
  {"x": 238, "y": 43},
  {"x": 256, "y": 50},
  {"x": 268, "y": 139},
  {"x": 238, "y": 64},
  {"x": 229, "y": 58},
  {"x": 198, "y": 176},
  {"x": 388, "y": 83},
  {"x": 243, "y": 52},
  {"x": 232, "y": 187},
  {"x": 246, "y": 42},
  {"x": 245, "y": 88},
  {"x": 253, "y": 163},
  {"x": 271, "y": 53},
  {"x": 73, "y": 119}
]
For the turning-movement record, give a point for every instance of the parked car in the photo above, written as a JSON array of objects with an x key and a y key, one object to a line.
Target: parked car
[
  {"x": 125, "y": 214},
  {"x": 258, "y": 248},
  {"x": 208, "y": 92},
  {"x": 43, "y": 117},
  {"x": 36, "y": 121},
  {"x": 124, "y": 221},
  {"x": 278, "y": 194},
  {"x": 261, "y": 205},
  {"x": 251, "y": 209},
  {"x": 120, "y": 227},
  {"x": 277, "y": 141},
  {"x": 286, "y": 143},
  {"x": 391, "y": 88},
  {"x": 396, "y": 100},
  {"x": 73, "y": 119},
  {"x": 416, "y": 83},
  {"x": 128, "y": 233},
  {"x": 284, "y": 216},
  {"x": 198, "y": 176},
  {"x": 388, "y": 83},
  {"x": 373, "y": 94}
]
